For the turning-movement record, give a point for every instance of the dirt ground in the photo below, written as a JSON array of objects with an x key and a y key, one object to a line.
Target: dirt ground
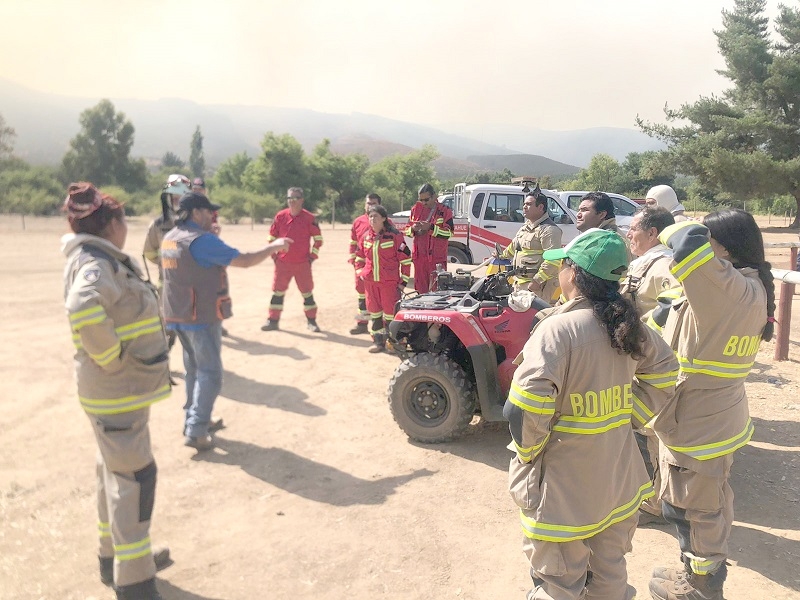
[{"x": 313, "y": 491}]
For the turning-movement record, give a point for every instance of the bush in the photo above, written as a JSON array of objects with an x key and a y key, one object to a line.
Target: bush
[
  {"x": 30, "y": 190},
  {"x": 238, "y": 204}
]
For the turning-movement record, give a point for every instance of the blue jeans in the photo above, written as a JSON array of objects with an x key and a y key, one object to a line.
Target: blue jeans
[{"x": 202, "y": 359}]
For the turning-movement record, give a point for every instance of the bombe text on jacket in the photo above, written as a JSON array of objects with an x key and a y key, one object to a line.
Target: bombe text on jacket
[
  {"x": 604, "y": 402},
  {"x": 426, "y": 318}
]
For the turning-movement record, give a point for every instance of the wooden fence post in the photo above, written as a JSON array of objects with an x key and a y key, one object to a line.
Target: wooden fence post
[{"x": 784, "y": 316}]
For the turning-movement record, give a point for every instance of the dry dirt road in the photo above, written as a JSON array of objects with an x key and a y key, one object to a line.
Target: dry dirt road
[{"x": 313, "y": 492}]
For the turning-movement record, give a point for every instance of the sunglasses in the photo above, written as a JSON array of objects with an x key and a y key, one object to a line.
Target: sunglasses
[
  {"x": 425, "y": 199},
  {"x": 294, "y": 197}
]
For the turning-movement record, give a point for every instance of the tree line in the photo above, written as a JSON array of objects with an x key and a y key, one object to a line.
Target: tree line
[{"x": 740, "y": 147}]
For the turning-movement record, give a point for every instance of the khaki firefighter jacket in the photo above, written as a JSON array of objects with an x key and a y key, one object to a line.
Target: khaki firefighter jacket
[
  {"x": 525, "y": 250},
  {"x": 715, "y": 330},
  {"x": 648, "y": 278},
  {"x": 572, "y": 402},
  {"x": 121, "y": 358}
]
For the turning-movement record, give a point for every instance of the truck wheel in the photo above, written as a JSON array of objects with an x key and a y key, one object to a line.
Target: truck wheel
[
  {"x": 457, "y": 256},
  {"x": 431, "y": 398}
]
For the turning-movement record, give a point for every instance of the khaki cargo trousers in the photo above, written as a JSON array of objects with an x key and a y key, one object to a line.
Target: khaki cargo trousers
[
  {"x": 560, "y": 570},
  {"x": 126, "y": 485}
]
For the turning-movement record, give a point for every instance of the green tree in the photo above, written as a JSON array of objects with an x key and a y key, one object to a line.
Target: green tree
[
  {"x": 7, "y": 135},
  {"x": 280, "y": 165},
  {"x": 745, "y": 143},
  {"x": 171, "y": 160},
  {"x": 100, "y": 153},
  {"x": 603, "y": 169},
  {"x": 341, "y": 175},
  {"x": 402, "y": 175},
  {"x": 238, "y": 203},
  {"x": 30, "y": 190},
  {"x": 197, "y": 160},
  {"x": 229, "y": 173}
]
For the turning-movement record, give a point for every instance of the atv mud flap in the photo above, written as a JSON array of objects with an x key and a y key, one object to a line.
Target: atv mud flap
[{"x": 490, "y": 396}]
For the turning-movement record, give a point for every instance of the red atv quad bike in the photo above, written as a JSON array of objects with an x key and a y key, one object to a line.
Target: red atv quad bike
[{"x": 457, "y": 345}]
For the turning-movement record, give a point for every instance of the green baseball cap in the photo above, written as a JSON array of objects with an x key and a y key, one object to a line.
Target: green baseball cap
[{"x": 599, "y": 252}]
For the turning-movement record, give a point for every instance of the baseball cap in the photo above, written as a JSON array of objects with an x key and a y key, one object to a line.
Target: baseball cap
[
  {"x": 597, "y": 251},
  {"x": 194, "y": 200}
]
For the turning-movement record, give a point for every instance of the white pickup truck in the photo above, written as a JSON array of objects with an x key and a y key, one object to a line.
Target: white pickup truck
[{"x": 486, "y": 214}]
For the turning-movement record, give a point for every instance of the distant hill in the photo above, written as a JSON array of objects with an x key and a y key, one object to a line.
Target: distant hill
[
  {"x": 46, "y": 122},
  {"x": 574, "y": 147}
]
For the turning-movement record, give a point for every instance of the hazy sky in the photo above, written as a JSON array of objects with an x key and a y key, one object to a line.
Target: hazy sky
[{"x": 554, "y": 64}]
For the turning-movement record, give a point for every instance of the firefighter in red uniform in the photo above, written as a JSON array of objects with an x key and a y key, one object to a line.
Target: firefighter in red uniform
[
  {"x": 357, "y": 231},
  {"x": 301, "y": 226},
  {"x": 383, "y": 263},
  {"x": 431, "y": 225}
]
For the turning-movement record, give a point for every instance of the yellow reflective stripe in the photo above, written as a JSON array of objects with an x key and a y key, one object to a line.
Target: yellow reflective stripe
[
  {"x": 699, "y": 257},
  {"x": 406, "y": 261},
  {"x": 526, "y": 455},
  {"x": 641, "y": 411},
  {"x": 659, "y": 380},
  {"x": 125, "y": 333},
  {"x": 542, "y": 405},
  {"x": 699, "y": 565},
  {"x": 315, "y": 250},
  {"x": 106, "y": 357},
  {"x": 132, "y": 551},
  {"x": 271, "y": 238},
  {"x": 90, "y": 316},
  {"x": 440, "y": 232},
  {"x": 669, "y": 231},
  {"x": 672, "y": 293},
  {"x": 651, "y": 323},
  {"x": 139, "y": 328},
  {"x": 109, "y": 406},
  {"x": 715, "y": 368},
  {"x": 388, "y": 244},
  {"x": 567, "y": 533},
  {"x": 593, "y": 425},
  {"x": 717, "y": 449},
  {"x": 103, "y": 529}
]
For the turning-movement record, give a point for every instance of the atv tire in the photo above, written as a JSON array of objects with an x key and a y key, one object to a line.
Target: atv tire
[{"x": 431, "y": 398}]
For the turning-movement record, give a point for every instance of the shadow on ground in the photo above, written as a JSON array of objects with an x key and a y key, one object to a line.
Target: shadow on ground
[
  {"x": 304, "y": 477},
  {"x": 362, "y": 341},
  {"x": 260, "y": 349},
  {"x": 482, "y": 442},
  {"x": 283, "y": 397},
  {"x": 172, "y": 592}
]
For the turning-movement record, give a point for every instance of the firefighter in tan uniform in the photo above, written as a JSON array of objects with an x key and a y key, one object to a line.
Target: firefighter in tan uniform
[
  {"x": 121, "y": 364},
  {"x": 649, "y": 278},
  {"x": 715, "y": 330},
  {"x": 539, "y": 233},
  {"x": 582, "y": 382}
]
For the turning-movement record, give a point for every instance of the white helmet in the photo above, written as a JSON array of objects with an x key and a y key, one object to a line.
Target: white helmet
[{"x": 178, "y": 185}]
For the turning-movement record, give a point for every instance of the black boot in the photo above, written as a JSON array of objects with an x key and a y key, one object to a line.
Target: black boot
[
  {"x": 361, "y": 327},
  {"x": 144, "y": 590}
]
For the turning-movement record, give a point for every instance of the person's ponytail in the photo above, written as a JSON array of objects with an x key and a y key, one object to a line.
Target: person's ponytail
[{"x": 765, "y": 274}]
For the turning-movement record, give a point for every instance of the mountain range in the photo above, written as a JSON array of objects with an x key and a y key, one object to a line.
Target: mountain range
[{"x": 44, "y": 124}]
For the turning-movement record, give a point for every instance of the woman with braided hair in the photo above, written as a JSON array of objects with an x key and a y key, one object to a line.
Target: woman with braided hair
[
  {"x": 121, "y": 367},
  {"x": 715, "y": 329},
  {"x": 589, "y": 374}
]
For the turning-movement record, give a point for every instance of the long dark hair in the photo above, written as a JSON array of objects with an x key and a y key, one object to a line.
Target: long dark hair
[
  {"x": 739, "y": 234},
  {"x": 616, "y": 313},
  {"x": 387, "y": 224}
]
